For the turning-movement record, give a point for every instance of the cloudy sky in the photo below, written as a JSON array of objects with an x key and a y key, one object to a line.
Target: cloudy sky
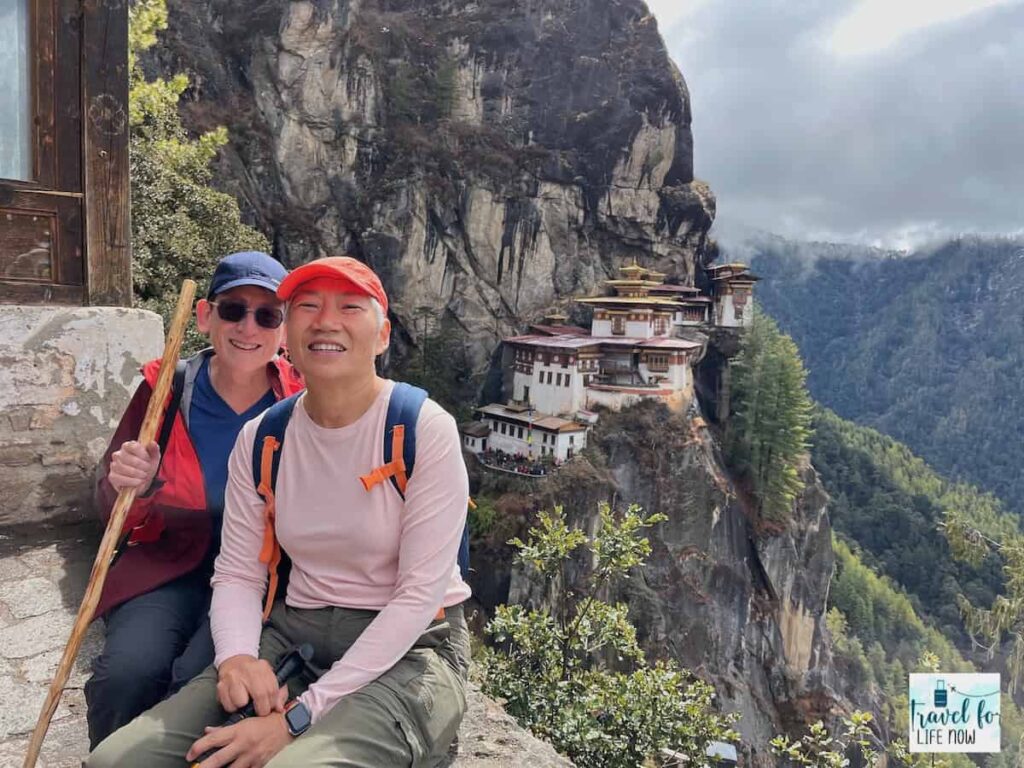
[{"x": 887, "y": 122}]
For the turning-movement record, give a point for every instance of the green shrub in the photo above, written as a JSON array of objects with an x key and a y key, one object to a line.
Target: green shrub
[{"x": 574, "y": 673}]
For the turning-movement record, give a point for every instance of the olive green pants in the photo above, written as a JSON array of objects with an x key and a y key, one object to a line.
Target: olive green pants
[{"x": 407, "y": 717}]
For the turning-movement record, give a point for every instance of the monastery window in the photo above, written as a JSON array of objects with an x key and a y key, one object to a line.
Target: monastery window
[
  {"x": 567, "y": 379},
  {"x": 572, "y": 439},
  {"x": 520, "y": 435},
  {"x": 658, "y": 362},
  {"x": 558, "y": 380},
  {"x": 503, "y": 427}
]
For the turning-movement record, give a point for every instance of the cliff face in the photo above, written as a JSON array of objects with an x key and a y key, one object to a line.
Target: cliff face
[
  {"x": 491, "y": 159},
  {"x": 488, "y": 157},
  {"x": 740, "y": 603}
]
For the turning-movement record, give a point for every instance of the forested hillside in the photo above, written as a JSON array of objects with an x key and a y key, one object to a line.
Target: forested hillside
[
  {"x": 927, "y": 347},
  {"x": 891, "y": 504},
  {"x": 893, "y": 601}
]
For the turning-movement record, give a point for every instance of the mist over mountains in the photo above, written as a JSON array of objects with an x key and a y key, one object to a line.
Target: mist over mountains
[{"x": 924, "y": 346}]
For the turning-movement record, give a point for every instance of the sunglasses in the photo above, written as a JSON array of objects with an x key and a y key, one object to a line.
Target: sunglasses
[{"x": 235, "y": 312}]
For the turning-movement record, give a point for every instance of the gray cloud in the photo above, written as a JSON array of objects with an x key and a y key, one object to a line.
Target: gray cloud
[{"x": 920, "y": 140}]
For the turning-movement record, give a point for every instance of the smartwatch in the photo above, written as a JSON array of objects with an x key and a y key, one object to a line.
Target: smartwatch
[{"x": 298, "y": 718}]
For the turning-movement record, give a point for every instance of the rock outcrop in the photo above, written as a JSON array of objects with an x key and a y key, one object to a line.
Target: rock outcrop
[
  {"x": 489, "y": 158},
  {"x": 740, "y": 602}
]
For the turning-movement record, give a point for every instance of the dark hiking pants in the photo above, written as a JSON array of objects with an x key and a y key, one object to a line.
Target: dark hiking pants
[{"x": 154, "y": 644}]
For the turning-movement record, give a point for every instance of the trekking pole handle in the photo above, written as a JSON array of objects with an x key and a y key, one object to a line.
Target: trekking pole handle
[{"x": 288, "y": 666}]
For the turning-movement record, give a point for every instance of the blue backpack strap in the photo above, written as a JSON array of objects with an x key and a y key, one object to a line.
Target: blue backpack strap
[
  {"x": 274, "y": 423},
  {"x": 464, "y": 553},
  {"x": 404, "y": 408}
]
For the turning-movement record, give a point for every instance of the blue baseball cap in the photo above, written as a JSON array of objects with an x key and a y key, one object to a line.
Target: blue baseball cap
[{"x": 246, "y": 268}]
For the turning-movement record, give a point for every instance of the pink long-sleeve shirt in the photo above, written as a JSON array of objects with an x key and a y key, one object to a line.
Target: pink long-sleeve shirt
[{"x": 349, "y": 547}]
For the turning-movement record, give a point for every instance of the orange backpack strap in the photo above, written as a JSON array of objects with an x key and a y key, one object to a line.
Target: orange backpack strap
[
  {"x": 266, "y": 457},
  {"x": 394, "y": 468},
  {"x": 270, "y": 552}
]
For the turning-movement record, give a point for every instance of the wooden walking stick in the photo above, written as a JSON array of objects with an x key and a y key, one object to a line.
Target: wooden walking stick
[{"x": 125, "y": 497}]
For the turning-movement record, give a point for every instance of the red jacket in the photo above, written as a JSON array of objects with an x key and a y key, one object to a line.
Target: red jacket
[{"x": 170, "y": 526}]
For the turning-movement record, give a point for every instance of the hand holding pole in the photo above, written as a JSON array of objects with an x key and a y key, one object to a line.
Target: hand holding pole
[{"x": 125, "y": 498}]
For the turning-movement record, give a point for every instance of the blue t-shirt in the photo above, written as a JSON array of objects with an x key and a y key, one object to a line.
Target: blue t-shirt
[{"x": 214, "y": 427}]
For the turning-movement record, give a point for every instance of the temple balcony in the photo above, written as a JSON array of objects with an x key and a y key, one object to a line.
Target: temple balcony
[{"x": 625, "y": 377}]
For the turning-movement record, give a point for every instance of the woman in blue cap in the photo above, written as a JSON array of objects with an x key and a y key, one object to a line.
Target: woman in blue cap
[{"x": 156, "y": 599}]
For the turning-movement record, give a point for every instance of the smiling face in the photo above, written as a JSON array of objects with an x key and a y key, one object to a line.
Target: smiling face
[
  {"x": 334, "y": 334},
  {"x": 245, "y": 345}
]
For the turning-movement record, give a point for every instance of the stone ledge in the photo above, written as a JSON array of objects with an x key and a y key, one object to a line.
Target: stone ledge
[{"x": 32, "y": 640}]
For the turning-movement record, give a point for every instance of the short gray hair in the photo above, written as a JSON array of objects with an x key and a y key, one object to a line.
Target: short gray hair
[{"x": 378, "y": 312}]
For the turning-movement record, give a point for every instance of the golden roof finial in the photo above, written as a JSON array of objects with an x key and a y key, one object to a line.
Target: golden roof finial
[{"x": 633, "y": 269}]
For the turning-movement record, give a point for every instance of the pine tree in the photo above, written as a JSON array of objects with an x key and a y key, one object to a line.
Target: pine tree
[
  {"x": 1004, "y": 618},
  {"x": 180, "y": 225},
  {"x": 770, "y": 427}
]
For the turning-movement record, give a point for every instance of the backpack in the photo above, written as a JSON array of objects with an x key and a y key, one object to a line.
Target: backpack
[{"x": 399, "y": 461}]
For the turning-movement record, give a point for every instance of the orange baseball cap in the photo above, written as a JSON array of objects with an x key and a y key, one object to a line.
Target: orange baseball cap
[{"x": 353, "y": 277}]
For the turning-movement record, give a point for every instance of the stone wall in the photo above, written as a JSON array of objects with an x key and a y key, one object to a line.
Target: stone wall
[{"x": 66, "y": 374}]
